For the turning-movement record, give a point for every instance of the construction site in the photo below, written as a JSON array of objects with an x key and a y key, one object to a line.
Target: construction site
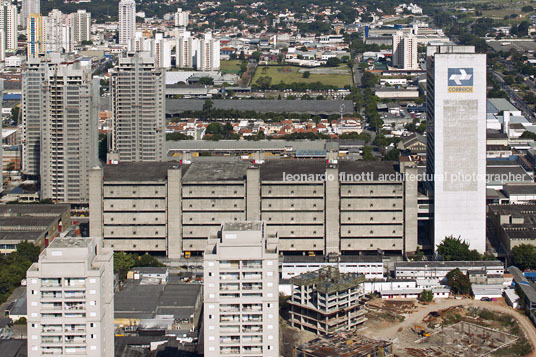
[{"x": 461, "y": 339}]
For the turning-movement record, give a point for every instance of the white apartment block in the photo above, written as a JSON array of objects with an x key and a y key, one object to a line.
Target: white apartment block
[
  {"x": 8, "y": 23},
  {"x": 57, "y": 32},
  {"x": 81, "y": 26},
  {"x": 405, "y": 51},
  {"x": 127, "y": 21},
  {"x": 185, "y": 50},
  {"x": 159, "y": 48},
  {"x": 70, "y": 300},
  {"x": 138, "y": 108},
  {"x": 456, "y": 150},
  {"x": 208, "y": 56},
  {"x": 69, "y": 137},
  {"x": 241, "y": 298},
  {"x": 181, "y": 18}
]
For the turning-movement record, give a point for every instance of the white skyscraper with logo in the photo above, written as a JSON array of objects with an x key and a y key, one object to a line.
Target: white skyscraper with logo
[
  {"x": 456, "y": 136},
  {"x": 127, "y": 21}
]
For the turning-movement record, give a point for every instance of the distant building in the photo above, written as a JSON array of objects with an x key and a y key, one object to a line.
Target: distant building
[
  {"x": 138, "y": 108},
  {"x": 34, "y": 35},
  {"x": 37, "y": 224},
  {"x": 405, "y": 51},
  {"x": 29, "y": 7},
  {"x": 8, "y": 23},
  {"x": 514, "y": 224},
  {"x": 70, "y": 300},
  {"x": 439, "y": 269},
  {"x": 241, "y": 297},
  {"x": 325, "y": 301},
  {"x": 127, "y": 21},
  {"x": 456, "y": 143},
  {"x": 181, "y": 18},
  {"x": 81, "y": 24}
]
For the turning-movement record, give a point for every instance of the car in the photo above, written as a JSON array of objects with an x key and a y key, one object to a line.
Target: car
[{"x": 485, "y": 299}]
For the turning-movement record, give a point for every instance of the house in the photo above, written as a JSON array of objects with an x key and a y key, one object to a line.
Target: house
[{"x": 413, "y": 144}]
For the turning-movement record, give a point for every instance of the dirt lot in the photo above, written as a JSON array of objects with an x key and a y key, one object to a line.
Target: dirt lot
[{"x": 443, "y": 319}]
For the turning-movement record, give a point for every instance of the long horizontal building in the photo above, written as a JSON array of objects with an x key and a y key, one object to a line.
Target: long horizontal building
[{"x": 314, "y": 206}]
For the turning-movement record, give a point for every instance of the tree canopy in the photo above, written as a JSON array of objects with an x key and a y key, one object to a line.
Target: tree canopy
[
  {"x": 459, "y": 282},
  {"x": 524, "y": 256},
  {"x": 452, "y": 248}
]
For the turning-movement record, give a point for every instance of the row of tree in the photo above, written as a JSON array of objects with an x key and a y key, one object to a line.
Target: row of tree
[{"x": 13, "y": 267}]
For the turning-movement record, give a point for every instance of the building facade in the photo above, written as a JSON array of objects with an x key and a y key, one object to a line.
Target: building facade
[
  {"x": 81, "y": 25},
  {"x": 405, "y": 51},
  {"x": 456, "y": 137},
  {"x": 34, "y": 36},
  {"x": 360, "y": 207},
  {"x": 29, "y": 7},
  {"x": 138, "y": 108},
  {"x": 33, "y": 76},
  {"x": 325, "y": 301},
  {"x": 208, "y": 55},
  {"x": 8, "y": 23},
  {"x": 60, "y": 119},
  {"x": 181, "y": 18},
  {"x": 127, "y": 21},
  {"x": 70, "y": 300},
  {"x": 241, "y": 297}
]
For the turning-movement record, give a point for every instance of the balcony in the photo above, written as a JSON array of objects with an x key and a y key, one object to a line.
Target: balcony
[
  {"x": 229, "y": 287},
  {"x": 251, "y": 339},
  {"x": 75, "y": 340},
  {"x": 252, "y": 318},
  {"x": 230, "y": 318},
  {"x": 229, "y": 329},
  {"x": 51, "y": 339},
  {"x": 230, "y": 308},
  {"x": 230, "y": 340},
  {"x": 230, "y": 351},
  {"x": 51, "y": 328},
  {"x": 252, "y": 276},
  {"x": 51, "y": 306},
  {"x": 75, "y": 306},
  {"x": 252, "y": 307},
  {"x": 251, "y": 350},
  {"x": 252, "y": 286},
  {"x": 252, "y": 264},
  {"x": 252, "y": 329}
]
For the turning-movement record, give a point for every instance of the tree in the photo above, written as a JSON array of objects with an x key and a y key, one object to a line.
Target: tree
[
  {"x": 524, "y": 256},
  {"x": 459, "y": 282},
  {"x": 256, "y": 55},
  {"x": 427, "y": 295},
  {"x": 306, "y": 74},
  {"x": 333, "y": 62},
  {"x": 103, "y": 146},
  {"x": 207, "y": 81},
  {"x": 122, "y": 263},
  {"x": 452, "y": 248},
  {"x": 15, "y": 113},
  {"x": 175, "y": 136},
  {"x": 264, "y": 82},
  {"x": 208, "y": 105},
  {"x": 392, "y": 155},
  {"x": 147, "y": 260},
  {"x": 369, "y": 80},
  {"x": 28, "y": 251},
  {"x": 527, "y": 8},
  {"x": 368, "y": 154},
  {"x": 528, "y": 135}
]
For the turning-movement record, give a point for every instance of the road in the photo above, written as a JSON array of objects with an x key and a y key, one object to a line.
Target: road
[
  {"x": 518, "y": 101},
  {"x": 416, "y": 317}
]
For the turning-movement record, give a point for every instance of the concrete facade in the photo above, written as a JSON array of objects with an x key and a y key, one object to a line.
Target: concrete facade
[
  {"x": 70, "y": 300},
  {"x": 138, "y": 108},
  {"x": 127, "y": 21},
  {"x": 456, "y": 133},
  {"x": 348, "y": 213},
  {"x": 241, "y": 298}
]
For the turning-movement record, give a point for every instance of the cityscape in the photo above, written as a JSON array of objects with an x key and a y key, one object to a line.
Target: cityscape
[{"x": 268, "y": 178}]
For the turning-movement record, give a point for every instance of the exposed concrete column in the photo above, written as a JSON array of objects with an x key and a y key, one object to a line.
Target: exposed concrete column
[
  {"x": 174, "y": 213},
  {"x": 96, "y": 178},
  {"x": 410, "y": 210},
  {"x": 332, "y": 210},
  {"x": 253, "y": 194}
]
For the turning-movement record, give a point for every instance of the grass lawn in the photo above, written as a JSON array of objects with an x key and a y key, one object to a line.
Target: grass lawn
[
  {"x": 230, "y": 66},
  {"x": 289, "y": 74}
]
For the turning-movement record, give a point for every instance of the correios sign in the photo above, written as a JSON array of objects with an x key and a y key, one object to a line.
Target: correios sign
[{"x": 460, "y": 80}]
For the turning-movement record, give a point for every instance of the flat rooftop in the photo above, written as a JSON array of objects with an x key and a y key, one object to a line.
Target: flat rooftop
[
  {"x": 274, "y": 170},
  {"x": 46, "y": 210},
  {"x": 244, "y": 145},
  {"x": 70, "y": 242},
  {"x": 216, "y": 171},
  {"x": 320, "y": 107},
  {"x": 138, "y": 171},
  {"x": 329, "y": 279}
]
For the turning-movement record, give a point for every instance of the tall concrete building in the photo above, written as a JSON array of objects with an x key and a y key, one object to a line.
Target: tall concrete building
[
  {"x": 127, "y": 21},
  {"x": 57, "y": 32},
  {"x": 241, "y": 292},
  {"x": 33, "y": 111},
  {"x": 69, "y": 137},
  {"x": 29, "y": 7},
  {"x": 70, "y": 304},
  {"x": 34, "y": 36},
  {"x": 181, "y": 18},
  {"x": 138, "y": 108},
  {"x": 81, "y": 26},
  {"x": 173, "y": 209},
  {"x": 8, "y": 23},
  {"x": 405, "y": 50},
  {"x": 456, "y": 150}
]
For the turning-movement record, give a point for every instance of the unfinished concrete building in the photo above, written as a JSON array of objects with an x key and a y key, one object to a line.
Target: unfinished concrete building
[{"x": 326, "y": 301}]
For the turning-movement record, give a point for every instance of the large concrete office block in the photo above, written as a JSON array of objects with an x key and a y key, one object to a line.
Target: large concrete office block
[
  {"x": 70, "y": 300},
  {"x": 456, "y": 157},
  {"x": 241, "y": 292}
]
